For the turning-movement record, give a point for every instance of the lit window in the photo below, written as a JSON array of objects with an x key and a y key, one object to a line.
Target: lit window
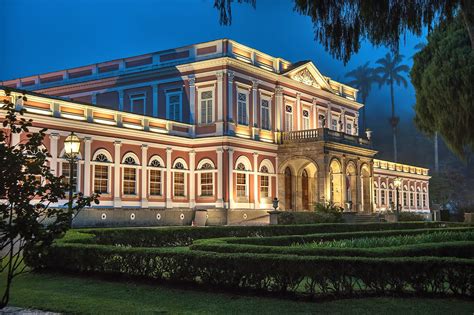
[
  {"x": 390, "y": 197},
  {"x": 129, "y": 177},
  {"x": 155, "y": 179},
  {"x": 265, "y": 115},
  {"x": 66, "y": 172},
  {"x": 173, "y": 106},
  {"x": 179, "y": 181},
  {"x": 412, "y": 198},
  {"x": 288, "y": 118},
  {"x": 207, "y": 185},
  {"x": 206, "y": 107},
  {"x": 241, "y": 181},
  {"x": 137, "y": 103},
  {"x": 305, "y": 120},
  {"x": 264, "y": 183},
  {"x": 405, "y": 199},
  {"x": 101, "y": 174},
  {"x": 242, "y": 117}
]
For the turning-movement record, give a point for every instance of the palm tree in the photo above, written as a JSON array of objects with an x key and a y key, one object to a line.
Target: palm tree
[
  {"x": 363, "y": 78},
  {"x": 390, "y": 70}
]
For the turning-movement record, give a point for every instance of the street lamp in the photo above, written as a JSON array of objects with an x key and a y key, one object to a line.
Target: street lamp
[
  {"x": 398, "y": 183},
  {"x": 72, "y": 145}
]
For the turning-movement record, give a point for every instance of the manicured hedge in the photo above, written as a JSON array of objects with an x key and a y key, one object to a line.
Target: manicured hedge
[
  {"x": 308, "y": 217},
  {"x": 309, "y": 275},
  {"x": 184, "y": 236},
  {"x": 287, "y": 240}
]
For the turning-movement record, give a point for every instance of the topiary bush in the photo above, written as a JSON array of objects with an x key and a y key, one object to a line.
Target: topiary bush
[{"x": 410, "y": 217}]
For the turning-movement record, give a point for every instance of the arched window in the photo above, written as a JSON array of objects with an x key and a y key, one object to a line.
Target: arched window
[
  {"x": 241, "y": 181},
  {"x": 264, "y": 183},
  {"x": 405, "y": 196},
  {"x": 102, "y": 162},
  {"x": 179, "y": 178},
  {"x": 412, "y": 197},
  {"x": 66, "y": 170},
  {"x": 129, "y": 175},
  {"x": 155, "y": 176},
  {"x": 418, "y": 197},
  {"x": 207, "y": 180},
  {"x": 383, "y": 194},
  {"x": 424, "y": 197},
  {"x": 390, "y": 195}
]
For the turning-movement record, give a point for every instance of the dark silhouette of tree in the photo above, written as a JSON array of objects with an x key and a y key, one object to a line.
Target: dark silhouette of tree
[
  {"x": 391, "y": 72},
  {"x": 443, "y": 76},
  {"x": 362, "y": 78},
  {"x": 341, "y": 25}
]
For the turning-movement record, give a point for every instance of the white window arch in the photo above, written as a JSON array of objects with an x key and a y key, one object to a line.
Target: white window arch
[
  {"x": 266, "y": 172},
  {"x": 180, "y": 170},
  {"x": 418, "y": 197},
  {"x": 206, "y": 171},
  {"x": 130, "y": 165},
  {"x": 102, "y": 168},
  {"x": 383, "y": 196},
  {"x": 405, "y": 196},
  {"x": 155, "y": 176},
  {"x": 242, "y": 169}
]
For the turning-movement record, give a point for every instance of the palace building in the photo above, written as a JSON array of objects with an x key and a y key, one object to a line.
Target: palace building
[{"x": 217, "y": 126}]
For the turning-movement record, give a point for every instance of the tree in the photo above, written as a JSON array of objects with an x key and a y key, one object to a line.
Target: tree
[
  {"x": 341, "y": 25},
  {"x": 442, "y": 75},
  {"x": 390, "y": 71},
  {"x": 29, "y": 224},
  {"x": 363, "y": 78}
]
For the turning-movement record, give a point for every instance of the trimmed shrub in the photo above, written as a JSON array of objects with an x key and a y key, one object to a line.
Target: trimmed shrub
[
  {"x": 410, "y": 217},
  {"x": 184, "y": 236},
  {"x": 308, "y": 218}
]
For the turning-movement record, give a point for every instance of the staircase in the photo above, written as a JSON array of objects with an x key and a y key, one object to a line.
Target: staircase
[{"x": 367, "y": 218}]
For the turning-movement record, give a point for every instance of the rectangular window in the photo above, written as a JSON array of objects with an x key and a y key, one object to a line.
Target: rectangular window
[
  {"x": 207, "y": 187},
  {"x": 65, "y": 173},
  {"x": 101, "y": 178},
  {"x": 179, "y": 184},
  {"x": 376, "y": 195},
  {"x": 349, "y": 128},
  {"x": 264, "y": 186},
  {"x": 424, "y": 200},
  {"x": 390, "y": 197},
  {"x": 334, "y": 124},
  {"x": 321, "y": 121},
  {"x": 306, "y": 120},
  {"x": 155, "y": 183},
  {"x": 206, "y": 107},
  {"x": 412, "y": 199},
  {"x": 242, "y": 117},
  {"x": 241, "y": 185},
  {"x": 405, "y": 199},
  {"x": 129, "y": 181},
  {"x": 288, "y": 118},
  {"x": 383, "y": 197},
  {"x": 173, "y": 106},
  {"x": 137, "y": 103},
  {"x": 265, "y": 115},
  {"x": 418, "y": 200}
]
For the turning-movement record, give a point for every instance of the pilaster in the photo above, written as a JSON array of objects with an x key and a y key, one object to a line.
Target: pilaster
[
  {"x": 87, "y": 166},
  {"x": 220, "y": 103},
  {"x": 230, "y": 152},
  {"x": 192, "y": 99},
  {"x": 279, "y": 108},
  {"x": 53, "y": 150},
  {"x": 169, "y": 201},
  {"x": 220, "y": 173},
  {"x": 192, "y": 179},
  {"x": 298, "y": 111},
  {"x": 255, "y": 181},
  {"x": 117, "y": 178},
  {"x": 144, "y": 177}
]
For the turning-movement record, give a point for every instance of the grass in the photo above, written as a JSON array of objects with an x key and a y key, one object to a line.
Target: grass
[
  {"x": 88, "y": 295},
  {"x": 391, "y": 241}
]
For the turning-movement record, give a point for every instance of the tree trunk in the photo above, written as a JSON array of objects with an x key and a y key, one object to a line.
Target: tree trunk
[
  {"x": 394, "y": 123},
  {"x": 467, "y": 11},
  {"x": 436, "y": 153},
  {"x": 364, "y": 121}
]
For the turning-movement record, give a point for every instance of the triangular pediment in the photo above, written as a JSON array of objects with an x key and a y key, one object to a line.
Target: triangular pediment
[{"x": 308, "y": 74}]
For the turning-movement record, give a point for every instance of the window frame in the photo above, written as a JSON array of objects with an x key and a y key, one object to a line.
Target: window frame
[
  {"x": 306, "y": 119},
  {"x": 159, "y": 169},
  {"x": 136, "y": 96},
  {"x": 289, "y": 114},
  {"x": 247, "y": 97},
  {"x": 213, "y": 107},
  {"x": 136, "y": 167},
  {"x": 168, "y": 95},
  {"x": 199, "y": 170},
  {"x": 174, "y": 172},
  {"x": 269, "y": 109}
]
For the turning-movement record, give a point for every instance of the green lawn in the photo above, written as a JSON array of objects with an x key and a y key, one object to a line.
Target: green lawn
[{"x": 87, "y": 295}]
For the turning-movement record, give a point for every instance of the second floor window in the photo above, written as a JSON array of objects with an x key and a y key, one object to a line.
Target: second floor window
[
  {"x": 173, "y": 106},
  {"x": 349, "y": 128},
  {"x": 242, "y": 117},
  {"x": 334, "y": 124},
  {"x": 265, "y": 115},
  {"x": 322, "y": 121},
  {"x": 206, "y": 107},
  {"x": 288, "y": 118},
  {"x": 306, "y": 120},
  {"x": 137, "y": 103}
]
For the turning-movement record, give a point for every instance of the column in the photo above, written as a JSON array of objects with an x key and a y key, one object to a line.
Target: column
[
  {"x": 192, "y": 99},
  {"x": 315, "y": 114},
  {"x": 231, "y": 177},
  {"x": 277, "y": 176},
  {"x": 169, "y": 201},
  {"x": 329, "y": 120},
  {"x": 298, "y": 111},
  {"x": 343, "y": 183},
  {"x": 117, "y": 178},
  {"x": 279, "y": 108},
  {"x": 255, "y": 181},
  {"x": 343, "y": 120},
  {"x": 144, "y": 177},
  {"x": 87, "y": 166},
  {"x": 356, "y": 124},
  {"x": 155, "y": 100},
  {"x": 120, "y": 94},
  {"x": 254, "y": 102},
  {"x": 220, "y": 173},
  {"x": 53, "y": 150},
  {"x": 192, "y": 179},
  {"x": 220, "y": 103},
  {"x": 230, "y": 90}
]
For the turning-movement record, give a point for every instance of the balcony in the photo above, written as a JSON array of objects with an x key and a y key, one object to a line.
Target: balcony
[{"x": 323, "y": 134}]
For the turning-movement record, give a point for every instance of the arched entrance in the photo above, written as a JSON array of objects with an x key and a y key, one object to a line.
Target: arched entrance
[
  {"x": 351, "y": 186},
  {"x": 365, "y": 188},
  {"x": 305, "y": 190},
  {"x": 288, "y": 190},
  {"x": 336, "y": 192}
]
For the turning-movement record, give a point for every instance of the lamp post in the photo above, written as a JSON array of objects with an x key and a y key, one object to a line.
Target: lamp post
[
  {"x": 398, "y": 183},
  {"x": 72, "y": 145}
]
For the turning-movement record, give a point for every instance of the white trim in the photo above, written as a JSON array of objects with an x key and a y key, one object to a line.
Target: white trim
[
  {"x": 246, "y": 92},
  {"x": 213, "y": 110},
  {"x": 168, "y": 94},
  {"x": 264, "y": 97}
]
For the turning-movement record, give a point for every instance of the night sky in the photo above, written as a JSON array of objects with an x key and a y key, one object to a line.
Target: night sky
[{"x": 47, "y": 35}]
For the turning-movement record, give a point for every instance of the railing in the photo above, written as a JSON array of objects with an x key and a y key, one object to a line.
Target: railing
[{"x": 323, "y": 134}]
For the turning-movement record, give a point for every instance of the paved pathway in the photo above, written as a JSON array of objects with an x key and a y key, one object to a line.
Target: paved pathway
[{"x": 24, "y": 311}]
